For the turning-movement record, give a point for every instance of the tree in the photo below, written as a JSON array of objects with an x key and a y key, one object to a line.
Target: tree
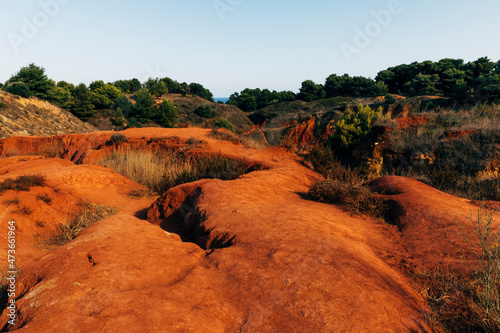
[
  {"x": 82, "y": 106},
  {"x": 128, "y": 86},
  {"x": 35, "y": 78},
  {"x": 145, "y": 109},
  {"x": 475, "y": 69},
  {"x": 96, "y": 85},
  {"x": 119, "y": 118},
  {"x": 125, "y": 105},
  {"x": 309, "y": 91},
  {"x": 156, "y": 87},
  {"x": 18, "y": 88},
  {"x": 423, "y": 85},
  {"x": 104, "y": 96},
  {"x": 450, "y": 78},
  {"x": 62, "y": 96},
  {"x": 167, "y": 114},
  {"x": 198, "y": 90}
]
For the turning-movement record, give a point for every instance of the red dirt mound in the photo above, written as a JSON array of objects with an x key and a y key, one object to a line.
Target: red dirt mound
[{"x": 431, "y": 222}]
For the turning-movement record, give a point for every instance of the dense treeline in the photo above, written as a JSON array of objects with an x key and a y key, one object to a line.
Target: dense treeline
[
  {"x": 472, "y": 82},
  {"x": 83, "y": 101}
]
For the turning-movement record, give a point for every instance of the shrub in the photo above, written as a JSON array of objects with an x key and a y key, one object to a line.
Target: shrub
[
  {"x": 224, "y": 135},
  {"x": 224, "y": 123},
  {"x": 192, "y": 141},
  {"x": 353, "y": 127},
  {"x": 486, "y": 246},
  {"x": 390, "y": 99},
  {"x": 206, "y": 111},
  {"x": 325, "y": 162},
  {"x": 118, "y": 138},
  {"x": 357, "y": 197},
  {"x": 19, "y": 89},
  {"x": 22, "y": 183},
  {"x": 89, "y": 214},
  {"x": 2, "y": 105}
]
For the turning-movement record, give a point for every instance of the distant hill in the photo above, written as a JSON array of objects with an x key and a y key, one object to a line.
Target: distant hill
[
  {"x": 186, "y": 106},
  {"x": 35, "y": 117}
]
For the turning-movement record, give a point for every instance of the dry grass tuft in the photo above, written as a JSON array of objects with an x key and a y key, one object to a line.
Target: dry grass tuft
[
  {"x": 357, "y": 197},
  {"x": 89, "y": 214}
]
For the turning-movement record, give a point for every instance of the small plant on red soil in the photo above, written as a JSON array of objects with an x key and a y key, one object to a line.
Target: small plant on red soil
[{"x": 22, "y": 183}]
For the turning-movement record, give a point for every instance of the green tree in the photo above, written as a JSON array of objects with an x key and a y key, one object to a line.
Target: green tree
[
  {"x": 423, "y": 85},
  {"x": 145, "y": 109},
  {"x": 104, "y": 96},
  {"x": 167, "y": 114},
  {"x": 82, "y": 106},
  {"x": 61, "y": 95},
  {"x": 119, "y": 117},
  {"x": 156, "y": 87},
  {"x": 35, "y": 78},
  {"x": 128, "y": 86},
  {"x": 96, "y": 85},
  {"x": 450, "y": 78},
  {"x": 198, "y": 90},
  {"x": 125, "y": 105},
  {"x": 18, "y": 88},
  {"x": 309, "y": 91}
]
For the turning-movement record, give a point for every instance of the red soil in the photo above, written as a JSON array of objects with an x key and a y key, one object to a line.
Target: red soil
[
  {"x": 265, "y": 258},
  {"x": 412, "y": 121}
]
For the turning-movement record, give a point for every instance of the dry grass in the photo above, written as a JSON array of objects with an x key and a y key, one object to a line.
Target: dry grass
[
  {"x": 147, "y": 168},
  {"x": 357, "y": 197},
  {"x": 160, "y": 171},
  {"x": 225, "y": 135},
  {"x": 22, "y": 183},
  {"x": 89, "y": 214}
]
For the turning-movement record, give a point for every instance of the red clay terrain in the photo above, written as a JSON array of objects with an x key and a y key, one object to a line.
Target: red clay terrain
[{"x": 247, "y": 255}]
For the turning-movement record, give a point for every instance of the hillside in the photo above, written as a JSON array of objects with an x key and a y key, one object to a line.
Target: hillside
[{"x": 34, "y": 117}]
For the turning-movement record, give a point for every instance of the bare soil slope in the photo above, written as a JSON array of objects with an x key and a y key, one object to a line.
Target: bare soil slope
[{"x": 28, "y": 117}]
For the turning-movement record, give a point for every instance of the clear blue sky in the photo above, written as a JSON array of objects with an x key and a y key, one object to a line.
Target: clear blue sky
[{"x": 273, "y": 44}]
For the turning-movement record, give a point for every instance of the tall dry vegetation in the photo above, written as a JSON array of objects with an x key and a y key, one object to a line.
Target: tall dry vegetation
[{"x": 162, "y": 170}]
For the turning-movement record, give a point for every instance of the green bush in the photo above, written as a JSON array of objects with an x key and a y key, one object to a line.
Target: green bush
[
  {"x": 224, "y": 123},
  {"x": 353, "y": 127},
  {"x": 19, "y": 89},
  {"x": 390, "y": 99},
  {"x": 206, "y": 111}
]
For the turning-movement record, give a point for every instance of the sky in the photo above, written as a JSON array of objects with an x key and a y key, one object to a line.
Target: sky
[{"x": 230, "y": 45}]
